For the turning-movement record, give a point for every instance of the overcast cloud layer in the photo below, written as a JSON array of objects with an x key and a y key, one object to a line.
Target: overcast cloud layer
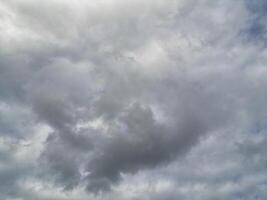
[{"x": 133, "y": 99}]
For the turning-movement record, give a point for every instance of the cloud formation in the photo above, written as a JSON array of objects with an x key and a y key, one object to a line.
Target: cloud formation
[{"x": 132, "y": 99}]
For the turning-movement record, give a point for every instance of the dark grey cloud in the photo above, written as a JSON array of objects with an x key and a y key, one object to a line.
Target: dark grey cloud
[
  {"x": 256, "y": 29},
  {"x": 162, "y": 99}
]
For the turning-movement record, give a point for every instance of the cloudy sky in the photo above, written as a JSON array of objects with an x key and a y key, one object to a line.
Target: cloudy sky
[{"x": 133, "y": 99}]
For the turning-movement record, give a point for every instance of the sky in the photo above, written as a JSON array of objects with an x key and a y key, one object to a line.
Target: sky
[{"x": 133, "y": 99}]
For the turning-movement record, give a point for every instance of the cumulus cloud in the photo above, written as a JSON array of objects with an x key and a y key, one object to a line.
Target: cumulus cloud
[{"x": 163, "y": 99}]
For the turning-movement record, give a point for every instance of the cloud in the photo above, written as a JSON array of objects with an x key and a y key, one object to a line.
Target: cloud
[{"x": 165, "y": 99}]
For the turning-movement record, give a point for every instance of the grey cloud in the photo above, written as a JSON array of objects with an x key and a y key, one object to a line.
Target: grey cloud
[
  {"x": 144, "y": 143},
  {"x": 256, "y": 29},
  {"x": 131, "y": 87}
]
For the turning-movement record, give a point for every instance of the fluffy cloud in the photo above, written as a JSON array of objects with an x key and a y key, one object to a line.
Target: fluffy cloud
[{"x": 132, "y": 99}]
